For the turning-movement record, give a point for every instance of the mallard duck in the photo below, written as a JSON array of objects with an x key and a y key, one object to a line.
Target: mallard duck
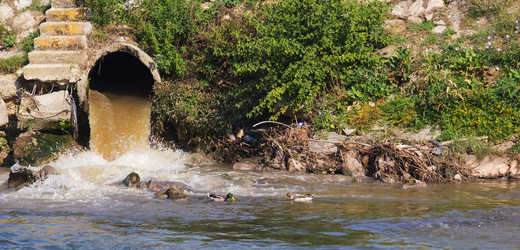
[
  {"x": 307, "y": 197},
  {"x": 215, "y": 197}
]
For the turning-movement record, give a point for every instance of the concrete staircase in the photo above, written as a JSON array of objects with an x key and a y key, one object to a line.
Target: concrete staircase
[{"x": 61, "y": 48}]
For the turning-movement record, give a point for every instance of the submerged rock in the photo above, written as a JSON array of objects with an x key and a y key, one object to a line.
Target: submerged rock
[
  {"x": 131, "y": 180},
  {"x": 21, "y": 175},
  {"x": 172, "y": 194}
]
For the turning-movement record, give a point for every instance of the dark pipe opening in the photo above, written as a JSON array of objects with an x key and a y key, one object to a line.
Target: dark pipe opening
[{"x": 120, "y": 72}]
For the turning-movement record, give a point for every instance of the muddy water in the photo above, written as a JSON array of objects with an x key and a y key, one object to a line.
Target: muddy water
[
  {"x": 85, "y": 207},
  {"x": 119, "y": 123}
]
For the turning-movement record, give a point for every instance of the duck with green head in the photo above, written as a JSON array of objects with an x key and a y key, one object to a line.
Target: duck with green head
[{"x": 215, "y": 197}]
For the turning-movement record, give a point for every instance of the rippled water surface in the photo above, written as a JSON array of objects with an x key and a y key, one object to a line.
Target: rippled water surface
[
  {"x": 85, "y": 207},
  {"x": 80, "y": 209}
]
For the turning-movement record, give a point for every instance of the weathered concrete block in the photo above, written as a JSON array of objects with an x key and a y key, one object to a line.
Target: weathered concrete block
[
  {"x": 65, "y": 28},
  {"x": 49, "y": 56},
  {"x": 60, "y": 43},
  {"x": 57, "y": 14},
  {"x": 52, "y": 72}
]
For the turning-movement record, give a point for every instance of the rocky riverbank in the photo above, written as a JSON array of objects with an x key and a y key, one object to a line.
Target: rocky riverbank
[{"x": 388, "y": 154}]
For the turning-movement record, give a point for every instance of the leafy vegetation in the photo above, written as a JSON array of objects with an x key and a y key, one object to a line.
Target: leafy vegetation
[
  {"x": 12, "y": 64},
  {"x": 230, "y": 63}
]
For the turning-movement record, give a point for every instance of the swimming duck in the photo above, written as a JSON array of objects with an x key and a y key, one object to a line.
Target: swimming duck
[
  {"x": 307, "y": 197},
  {"x": 215, "y": 197}
]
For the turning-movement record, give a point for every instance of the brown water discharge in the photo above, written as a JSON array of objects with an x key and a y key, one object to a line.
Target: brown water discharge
[{"x": 119, "y": 123}]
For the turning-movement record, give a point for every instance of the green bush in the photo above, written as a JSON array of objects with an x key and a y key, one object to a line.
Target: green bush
[
  {"x": 196, "y": 110},
  {"x": 165, "y": 29},
  {"x": 102, "y": 12},
  {"x": 299, "y": 44}
]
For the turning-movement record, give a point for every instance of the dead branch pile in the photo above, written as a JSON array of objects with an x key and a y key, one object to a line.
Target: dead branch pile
[
  {"x": 389, "y": 161},
  {"x": 287, "y": 149}
]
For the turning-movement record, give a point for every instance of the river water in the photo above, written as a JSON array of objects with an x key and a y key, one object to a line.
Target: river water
[{"x": 85, "y": 207}]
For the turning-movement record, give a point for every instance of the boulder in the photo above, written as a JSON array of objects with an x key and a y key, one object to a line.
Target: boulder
[
  {"x": 514, "y": 170},
  {"x": 439, "y": 29},
  {"x": 434, "y": 5},
  {"x": 326, "y": 146},
  {"x": 8, "y": 85},
  {"x": 395, "y": 26},
  {"x": 455, "y": 14},
  {"x": 503, "y": 146},
  {"x": 488, "y": 168},
  {"x": 21, "y": 175},
  {"x": 174, "y": 193},
  {"x": 457, "y": 178},
  {"x": 4, "y": 116},
  {"x": 294, "y": 165},
  {"x": 388, "y": 51},
  {"x": 352, "y": 167},
  {"x": 34, "y": 148},
  {"x": 6, "y": 13},
  {"x": 131, "y": 180},
  {"x": 28, "y": 21},
  {"x": 22, "y": 4},
  {"x": 402, "y": 9}
]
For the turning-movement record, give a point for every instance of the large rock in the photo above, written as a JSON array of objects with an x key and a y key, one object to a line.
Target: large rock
[
  {"x": 326, "y": 146},
  {"x": 439, "y": 29},
  {"x": 28, "y": 20},
  {"x": 402, "y": 9},
  {"x": 514, "y": 170},
  {"x": 395, "y": 26},
  {"x": 34, "y": 148},
  {"x": 352, "y": 167},
  {"x": 22, "y": 4},
  {"x": 455, "y": 14},
  {"x": 503, "y": 146},
  {"x": 21, "y": 175},
  {"x": 8, "y": 86},
  {"x": 434, "y": 5},
  {"x": 294, "y": 165},
  {"x": 6, "y": 13},
  {"x": 4, "y": 119},
  {"x": 488, "y": 168}
]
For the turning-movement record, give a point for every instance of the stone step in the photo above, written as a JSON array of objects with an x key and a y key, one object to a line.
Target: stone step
[
  {"x": 62, "y": 73},
  {"x": 60, "y": 43},
  {"x": 66, "y": 3},
  {"x": 50, "y": 56},
  {"x": 65, "y": 28},
  {"x": 72, "y": 14}
]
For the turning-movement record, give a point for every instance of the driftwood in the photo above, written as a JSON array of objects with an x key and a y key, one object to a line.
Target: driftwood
[{"x": 287, "y": 149}]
